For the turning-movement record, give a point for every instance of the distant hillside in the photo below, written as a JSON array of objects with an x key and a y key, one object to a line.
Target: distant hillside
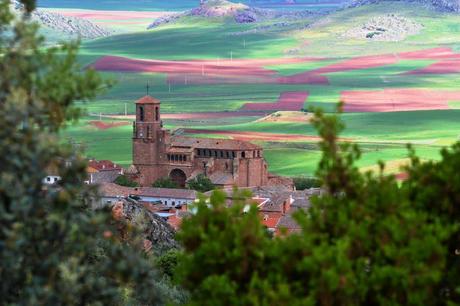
[
  {"x": 239, "y": 12},
  {"x": 56, "y": 26},
  {"x": 441, "y": 5},
  {"x": 182, "y": 5}
]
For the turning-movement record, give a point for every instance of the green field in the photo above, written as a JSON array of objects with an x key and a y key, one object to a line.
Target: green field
[{"x": 382, "y": 135}]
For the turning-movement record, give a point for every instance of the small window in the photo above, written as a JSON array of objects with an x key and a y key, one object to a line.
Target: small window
[
  {"x": 141, "y": 113},
  {"x": 48, "y": 179},
  {"x": 185, "y": 158},
  {"x": 173, "y": 203},
  {"x": 233, "y": 154},
  {"x": 243, "y": 154},
  {"x": 55, "y": 179},
  {"x": 221, "y": 154},
  {"x": 157, "y": 113}
]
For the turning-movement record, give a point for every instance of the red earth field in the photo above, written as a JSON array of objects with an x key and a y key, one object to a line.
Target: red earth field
[
  {"x": 254, "y": 136},
  {"x": 391, "y": 100},
  {"x": 288, "y": 101},
  {"x": 103, "y": 125},
  {"x": 254, "y": 71},
  {"x": 210, "y": 72}
]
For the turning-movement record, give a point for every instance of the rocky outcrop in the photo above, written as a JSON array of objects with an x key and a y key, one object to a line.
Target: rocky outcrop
[
  {"x": 70, "y": 26},
  {"x": 158, "y": 235},
  {"x": 390, "y": 27},
  {"x": 441, "y": 5},
  {"x": 239, "y": 12}
]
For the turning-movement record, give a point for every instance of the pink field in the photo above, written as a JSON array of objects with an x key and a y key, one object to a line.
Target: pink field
[
  {"x": 363, "y": 62},
  {"x": 253, "y": 71},
  {"x": 395, "y": 100},
  {"x": 427, "y": 54},
  {"x": 212, "y": 115},
  {"x": 254, "y": 136},
  {"x": 304, "y": 78},
  {"x": 115, "y": 63},
  {"x": 441, "y": 67},
  {"x": 210, "y": 72},
  {"x": 202, "y": 115},
  {"x": 288, "y": 101}
]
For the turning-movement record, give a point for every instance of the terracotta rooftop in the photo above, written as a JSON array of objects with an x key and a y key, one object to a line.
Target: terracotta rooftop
[
  {"x": 221, "y": 178},
  {"x": 213, "y": 143},
  {"x": 114, "y": 190},
  {"x": 102, "y": 165},
  {"x": 147, "y": 100},
  {"x": 166, "y": 193}
]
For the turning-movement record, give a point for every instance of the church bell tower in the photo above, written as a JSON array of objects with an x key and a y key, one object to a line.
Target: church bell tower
[{"x": 149, "y": 140}]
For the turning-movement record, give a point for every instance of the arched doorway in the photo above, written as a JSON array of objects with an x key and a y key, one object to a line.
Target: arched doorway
[{"x": 178, "y": 176}]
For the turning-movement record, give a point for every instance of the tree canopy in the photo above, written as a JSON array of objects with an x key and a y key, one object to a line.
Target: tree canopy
[
  {"x": 53, "y": 249},
  {"x": 368, "y": 240}
]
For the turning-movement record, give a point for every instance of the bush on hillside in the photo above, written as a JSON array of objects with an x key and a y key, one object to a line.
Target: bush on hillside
[
  {"x": 165, "y": 182},
  {"x": 123, "y": 180},
  {"x": 201, "y": 183},
  {"x": 302, "y": 182}
]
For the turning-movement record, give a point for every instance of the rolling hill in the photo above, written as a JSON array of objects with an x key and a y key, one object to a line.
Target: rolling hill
[{"x": 218, "y": 77}]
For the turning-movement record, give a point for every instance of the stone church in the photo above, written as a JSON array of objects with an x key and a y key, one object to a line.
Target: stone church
[{"x": 159, "y": 154}]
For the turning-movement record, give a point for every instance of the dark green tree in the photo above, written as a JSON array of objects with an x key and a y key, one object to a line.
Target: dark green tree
[
  {"x": 123, "y": 180},
  {"x": 165, "y": 182},
  {"x": 302, "y": 182},
  {"x": 53, "y": 249},
  {"x": 367, "y": 240},
  {"x": 201, "y": 183}
]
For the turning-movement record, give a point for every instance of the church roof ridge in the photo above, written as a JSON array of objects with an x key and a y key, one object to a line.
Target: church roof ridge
[{"x": 147, "y": 100}]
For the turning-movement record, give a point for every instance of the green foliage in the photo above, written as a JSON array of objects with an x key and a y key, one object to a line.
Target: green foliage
[
  {"x": 201, "y": 183},
  {"x": 54, "y": 250},
  {"x": 123, "y": 180},
  {"x": 224, "y": 251},
  {"x": 367, "y": 241},
  {"x": 168, "y": 262},
  {"x": 302, "y": 183},
  {"x": 165, "y": 182}
]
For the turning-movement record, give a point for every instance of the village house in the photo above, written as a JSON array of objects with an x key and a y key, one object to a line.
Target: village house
[
  {"x": 102, "y": 171},
  {"x": 168, "y": 197},
  {"x": 276, "y": 206}
]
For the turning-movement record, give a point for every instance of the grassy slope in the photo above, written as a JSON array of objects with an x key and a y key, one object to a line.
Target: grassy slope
[{"x": 198, "y": 39}]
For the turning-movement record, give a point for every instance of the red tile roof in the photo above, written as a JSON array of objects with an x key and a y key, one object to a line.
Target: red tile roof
[
  {"x": 271, "y": 221},
  {"x": 166, "y": 193},
  {"x": 114, "y": 190},
  {"x": 103, "y": 165},
  {"x": 147, "y": 100},
  {"x": 213, "y": 143}
]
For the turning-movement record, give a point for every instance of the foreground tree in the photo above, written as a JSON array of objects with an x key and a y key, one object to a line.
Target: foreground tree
[
  {"x": 53, "y": 250},
  {"x": 367, "y": 241}
]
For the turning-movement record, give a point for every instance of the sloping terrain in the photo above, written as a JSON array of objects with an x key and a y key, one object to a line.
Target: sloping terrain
[
  {"x": 442, "y": 5},
  {"x": 57, "y": 26},
  {"x": 218, "y": 77}
]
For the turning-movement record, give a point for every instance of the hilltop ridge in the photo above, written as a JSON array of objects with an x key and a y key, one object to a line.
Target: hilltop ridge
[
  {"x": 67, "y": 27},
  {"x": 239, "y": 12},
  {"x": 441, "y": 5}
]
